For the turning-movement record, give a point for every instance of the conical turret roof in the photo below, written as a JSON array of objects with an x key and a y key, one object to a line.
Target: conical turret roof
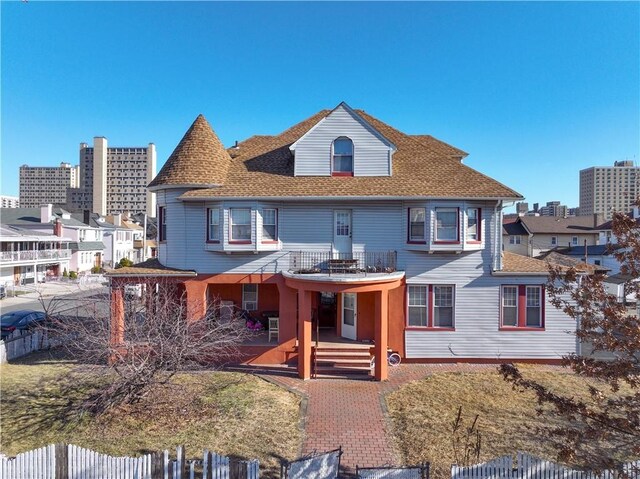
[{"x": 199, "y": 159}]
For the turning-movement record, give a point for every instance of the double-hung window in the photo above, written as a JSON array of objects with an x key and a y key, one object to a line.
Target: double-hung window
[
  {"x": 431, "y": 306},
  {"x": 574, "y": 241},
  {"x": 418, "y": 307},
  {"x": 342, "y": 157},
  {"x": 473, "y": 224},
  {"x": 213, "y": 224},
  {"x": 447, "y": 224},
  {"x": 443, "y": 306},
  {"x": 554, "y": 240},
  {"x": 250, "y": 297},
  {"x": 240, "y": 219},
  {"x": 416, "y": 224},
  {"x": 162, "y": 222},
  {"x": 269, "y": 224},
  {"x": 522, "y": 306},
  {"x": 514, "y": 239}
]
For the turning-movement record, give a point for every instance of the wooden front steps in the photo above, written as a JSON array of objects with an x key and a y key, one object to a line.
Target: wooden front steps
[{"x": 341, "y": 361}]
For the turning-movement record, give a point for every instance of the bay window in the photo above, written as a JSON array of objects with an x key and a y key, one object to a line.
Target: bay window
[
  {"x": 447, "y": 224},
  {"x": 269, "y": 224},
  {"x": 240, "y": 219},
  {"x": 416, "y": 224},
  {"x": 473, "y": 224},
  {"x": 213, "y": 224}
]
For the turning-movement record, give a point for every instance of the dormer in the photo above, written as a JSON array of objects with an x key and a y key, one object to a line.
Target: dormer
[{"x": 343, "y": 144}]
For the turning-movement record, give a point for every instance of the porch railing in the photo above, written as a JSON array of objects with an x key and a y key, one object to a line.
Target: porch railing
[
  {"x": 34, "y": 255},
  {"x": 328, "y": 262}
]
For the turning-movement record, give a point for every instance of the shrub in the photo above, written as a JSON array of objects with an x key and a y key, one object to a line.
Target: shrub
[
  {"x": 124, "y": 262},
  {"x": 96, "y": 270},
  {"x": 65, "y": 274},
  {"x": 73, "y": 275}
]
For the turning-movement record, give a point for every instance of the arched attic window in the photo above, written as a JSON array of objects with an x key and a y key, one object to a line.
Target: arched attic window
[{"x": 342, "y": 157}]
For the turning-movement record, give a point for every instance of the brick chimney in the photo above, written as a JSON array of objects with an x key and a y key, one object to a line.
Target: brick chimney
[
  {"x": 57, "y": 227},
  {"x": 598, "y": 219}
]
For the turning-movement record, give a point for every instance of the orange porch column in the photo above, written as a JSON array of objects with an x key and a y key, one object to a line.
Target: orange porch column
[
  {"x": 196, "y": 300},
  {"x": 304, "y": 334},
  {"x": 287, "y": 312},
  {"x": 381, "y": 334}
]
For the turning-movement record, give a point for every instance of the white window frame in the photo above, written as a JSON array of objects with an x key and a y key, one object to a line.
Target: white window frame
[
  {"x": 457, "y": 227},
  {"x": 232, "y": 224},
  {"x": 503, "y": 306},
  {"x": 452, "y": 306},
  {"x": 477, "y": 236},
  {"x": 515, "y": 239},
  {"x": 554, "y": 241},
  {"x": 265, "y": 238},
  {"x": 574, "y": 241},
  {"x": 249, "y": 298},
  {"x": 424, "y": 308},
  {"x": 340, "y": 156},
  {"x": 539, "y": 306},
  {"x": 213, "y": 214},
  {"x": 423, "y": 237}
]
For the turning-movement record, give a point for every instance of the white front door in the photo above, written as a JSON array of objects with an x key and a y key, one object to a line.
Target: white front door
[
  {"x": 349, "y": 315},
  {"x": 342, "y": 233}
]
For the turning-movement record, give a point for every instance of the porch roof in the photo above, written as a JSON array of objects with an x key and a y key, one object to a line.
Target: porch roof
[{"x": 149, "y": 268}]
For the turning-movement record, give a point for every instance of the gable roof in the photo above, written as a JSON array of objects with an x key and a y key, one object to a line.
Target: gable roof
[
  {"x": 513, "y": 263},
  {"x": 556, "y": 258},
  {"x": 557, "y": 225},
  {"x": 263, "y": 167},
  {"x": 200, "y": 159},
  {"x": 354, "y": 114}
]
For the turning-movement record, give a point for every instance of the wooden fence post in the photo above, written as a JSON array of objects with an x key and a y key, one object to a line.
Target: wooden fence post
[{"x": 62, "y": 464}]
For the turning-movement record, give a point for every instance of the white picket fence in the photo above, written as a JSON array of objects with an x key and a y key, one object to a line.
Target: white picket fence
[
  {"x": 315, "y": 466},
  {"x": 19, "y": 344},
  {"x": 73, "y": 462},
  {"x": 530, "y": 467}
]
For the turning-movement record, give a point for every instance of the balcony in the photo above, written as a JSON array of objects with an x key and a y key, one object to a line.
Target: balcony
[
  {"x": 329, "y": 263},
  {"x": 34, "y": 255}
]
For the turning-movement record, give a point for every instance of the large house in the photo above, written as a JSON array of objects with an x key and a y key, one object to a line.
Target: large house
[{"x": 344, "y": 225}]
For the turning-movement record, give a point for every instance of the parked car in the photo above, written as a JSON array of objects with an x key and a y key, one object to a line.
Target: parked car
[{"x": 22, "y": 320}]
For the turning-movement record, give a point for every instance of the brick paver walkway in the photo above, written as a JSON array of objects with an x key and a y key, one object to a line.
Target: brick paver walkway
[{"x": 349, "y": 413}]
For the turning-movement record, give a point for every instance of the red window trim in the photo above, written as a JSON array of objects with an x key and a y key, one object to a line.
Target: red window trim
[
  {"x": 275, "y": 241},
  {"x": 522, "y": 308},
  {"x": 206, "y": 233},
  {"x": 478, "y": 226},
  {"x": 342, "y": 173},
  {"x": 430, "y": 310},
  {"x": 409, "y": 240},
  {"x": 435, "y": 226}
]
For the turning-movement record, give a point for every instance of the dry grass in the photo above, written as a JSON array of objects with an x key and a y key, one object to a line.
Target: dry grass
[
  {"x": 423, "y": 412},
  {"x": 230, "y": 413}
]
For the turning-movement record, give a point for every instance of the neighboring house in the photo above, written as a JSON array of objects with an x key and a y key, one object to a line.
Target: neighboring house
[
  {"x": 544, "y": 233},
  {"x": 85, "y": 244},
  {"x": 27, "y": 256},
  {"x": 605, "y": 231},
  {"x": 601, "y": 256},
  {"x": 117, "y": 238},
  {"x": 380, "y": 235}
]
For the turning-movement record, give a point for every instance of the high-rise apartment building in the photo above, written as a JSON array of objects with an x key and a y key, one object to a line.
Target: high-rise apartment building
[
  {"x": 41, "y": 185},
  {"x": 9, "y": 201},
  {"x": 554, "y": 208},
  {"x": 114, "y": 179},
  {"x": 605, "y": 189}
]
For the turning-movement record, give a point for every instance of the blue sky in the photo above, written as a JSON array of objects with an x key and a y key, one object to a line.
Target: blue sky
[{"x": 533, "y": 91}]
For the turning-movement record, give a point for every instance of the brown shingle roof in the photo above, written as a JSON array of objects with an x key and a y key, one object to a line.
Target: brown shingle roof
[
  {"x": 199, "y": 159},
  {"x": 262, "y": 166},
  {"x": 150, "y": 267},
  {"x": 516, "y": 263},
  {"x": 440, "y": 147}
]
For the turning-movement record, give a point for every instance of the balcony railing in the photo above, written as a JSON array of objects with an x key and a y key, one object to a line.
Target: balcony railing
[
  {"x": 34, "y": 255},
  {"x": 327, "y": 262}
]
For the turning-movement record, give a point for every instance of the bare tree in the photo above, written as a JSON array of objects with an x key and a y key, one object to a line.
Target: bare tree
[
  {"x": 603, "y": 429},
  {"x": 154, "y": 343}
]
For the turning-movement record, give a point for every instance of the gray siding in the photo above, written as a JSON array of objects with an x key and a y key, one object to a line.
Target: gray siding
[
  {"x": 371, "y": 155},
  {"x": 379, "y": 226}
]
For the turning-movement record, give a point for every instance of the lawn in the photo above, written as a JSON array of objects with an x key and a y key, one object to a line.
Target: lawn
[
  {"x": 229, "y": 413},
  {"x": 422, "y": 414}
]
